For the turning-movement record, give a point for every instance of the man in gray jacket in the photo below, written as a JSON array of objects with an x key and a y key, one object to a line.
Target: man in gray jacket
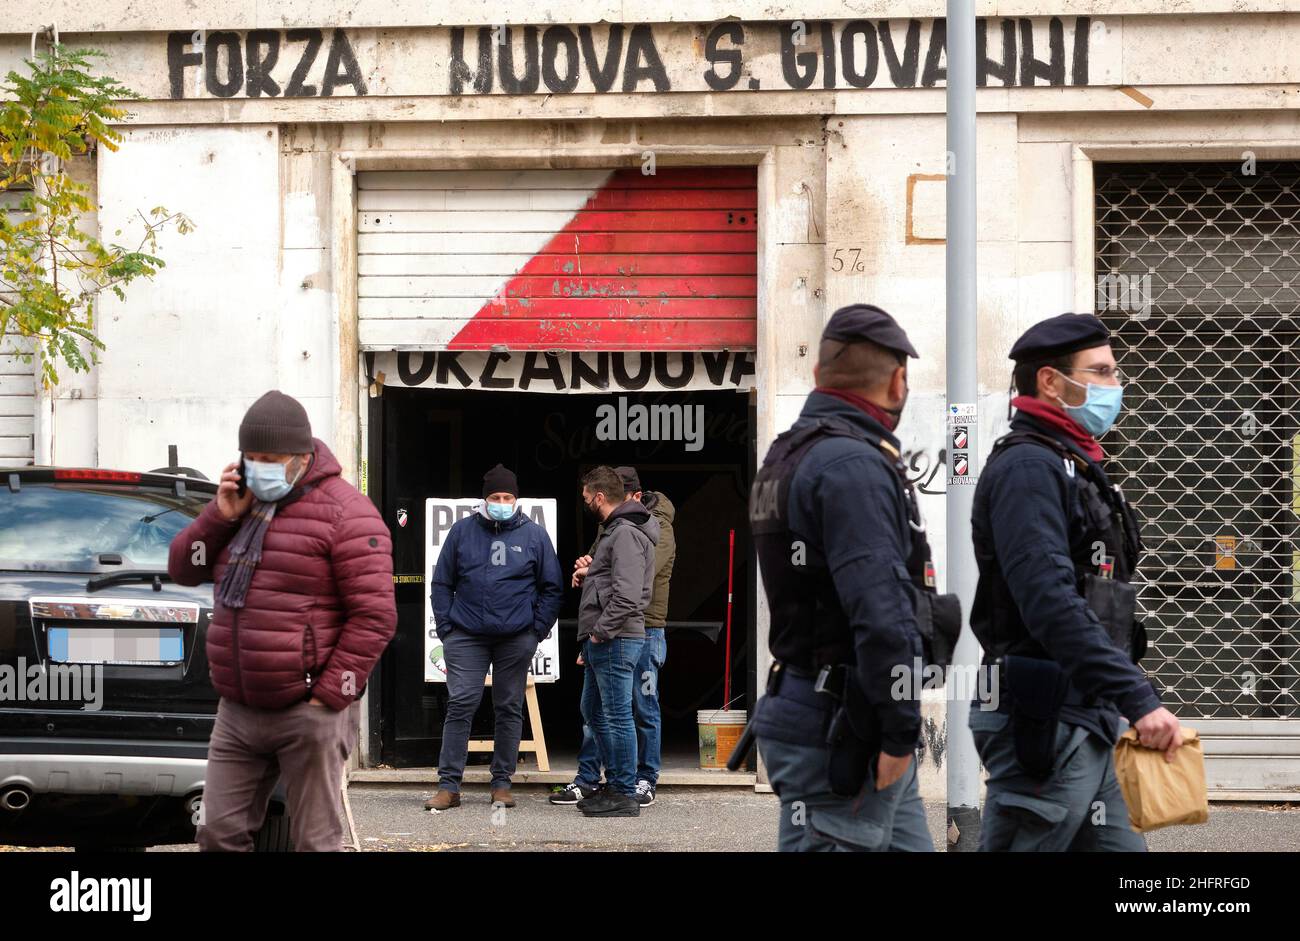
[
  {"x": 611, "y": 631},
  {"x": 645, "y": 691}
]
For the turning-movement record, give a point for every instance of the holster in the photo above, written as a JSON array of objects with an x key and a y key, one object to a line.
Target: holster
[
  {"x": 852, "y": 738},
  {"x": 938, "y": 619},
  {"x": 1115, "y": 604},
  {"x": 1139, "y": 641},
  {"x": 1036, "y": 689}
]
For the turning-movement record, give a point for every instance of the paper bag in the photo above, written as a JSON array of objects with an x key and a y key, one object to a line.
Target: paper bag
[{"x": 1160, "y": 793}]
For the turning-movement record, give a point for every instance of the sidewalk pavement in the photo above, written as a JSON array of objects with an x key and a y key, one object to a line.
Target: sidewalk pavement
[
  {"x": 697, "y": 819},
  {"x": 704, "y": 819}
]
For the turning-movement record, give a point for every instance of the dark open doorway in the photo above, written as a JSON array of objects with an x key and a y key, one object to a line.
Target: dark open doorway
[{"x": 431, "y": 442}]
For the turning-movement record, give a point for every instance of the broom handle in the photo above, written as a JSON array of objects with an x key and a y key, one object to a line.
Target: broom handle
[{"x": 731, "y": 564}]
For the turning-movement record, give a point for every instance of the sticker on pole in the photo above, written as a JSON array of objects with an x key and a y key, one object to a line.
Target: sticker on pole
[
  {"x": 961, "y": 443},
  {"x": 961, "y": 413}
]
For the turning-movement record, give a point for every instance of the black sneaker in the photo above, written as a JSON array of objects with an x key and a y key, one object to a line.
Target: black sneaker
[
  {"x": 599, "y": 792},
  {"x": 612, "y": 804},
  {"x": 572, "y": 793},
  {"x": 645, "y": 793}
]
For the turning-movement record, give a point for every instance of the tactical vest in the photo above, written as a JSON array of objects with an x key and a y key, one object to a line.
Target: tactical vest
[
  {"x": 1105, "y": 558},
  {"x": 808, "y": 626}
]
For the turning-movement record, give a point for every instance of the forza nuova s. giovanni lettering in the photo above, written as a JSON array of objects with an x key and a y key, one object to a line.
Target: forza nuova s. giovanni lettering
[{"x": 620, "y": 58}]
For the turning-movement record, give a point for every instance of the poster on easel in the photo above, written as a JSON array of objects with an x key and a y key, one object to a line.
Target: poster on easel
[{"x": 440, "y": 514}]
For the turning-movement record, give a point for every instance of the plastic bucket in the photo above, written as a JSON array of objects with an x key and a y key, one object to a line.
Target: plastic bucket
[{"x": 719, "y": 732}]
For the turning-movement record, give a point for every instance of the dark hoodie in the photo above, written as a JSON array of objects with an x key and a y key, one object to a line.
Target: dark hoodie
[
  {"x": 662, "y": 509},
  {"x": 620, "y": 579}
]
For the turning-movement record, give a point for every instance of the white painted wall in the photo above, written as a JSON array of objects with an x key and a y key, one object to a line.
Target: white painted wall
[{"x": 230, "y": 315}]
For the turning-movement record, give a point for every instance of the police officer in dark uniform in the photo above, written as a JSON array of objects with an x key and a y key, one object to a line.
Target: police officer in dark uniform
[
  {"x": 1056, "y": 544},
  {"x": 833, "y": 521}
]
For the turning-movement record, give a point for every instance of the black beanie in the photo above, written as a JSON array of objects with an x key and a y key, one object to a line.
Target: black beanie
[
  {"x": 500, "y": 480},
  {"x": 276, "y": 423},
  {"x": 631, "y": 482}
]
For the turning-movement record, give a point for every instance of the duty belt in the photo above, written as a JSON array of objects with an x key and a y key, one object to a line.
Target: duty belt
[{"x": 828, "y": 680}]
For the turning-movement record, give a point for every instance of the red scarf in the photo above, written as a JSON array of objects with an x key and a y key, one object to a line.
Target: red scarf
[
  {"x": 1054, "y": 417},
  {"x": 871, "y": 408}
]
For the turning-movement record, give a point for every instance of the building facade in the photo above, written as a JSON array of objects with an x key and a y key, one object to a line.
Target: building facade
[{"x": 456, "y": 234}]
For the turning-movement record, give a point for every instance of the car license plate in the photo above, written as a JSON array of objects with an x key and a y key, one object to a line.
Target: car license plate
[{"x": 140, "y": 646}]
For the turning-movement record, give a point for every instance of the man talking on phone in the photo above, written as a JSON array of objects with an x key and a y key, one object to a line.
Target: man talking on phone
[{"x": 304, "y": 606}]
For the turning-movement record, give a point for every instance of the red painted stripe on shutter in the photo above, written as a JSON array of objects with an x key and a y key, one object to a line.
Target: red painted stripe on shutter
[
  {"x": 617, "y": 308},
  {"x": 685, "y": 177},
  {"x": 647, "y": 335},
  {"x": 673, "y": 220},
  {"x": 632, "y": 286},
  {"x": 646, "y": 199},
  {"x": 584, "y": 243},
  {"x": 658, "y": 245},
  {"x": 597, "y": 265}
]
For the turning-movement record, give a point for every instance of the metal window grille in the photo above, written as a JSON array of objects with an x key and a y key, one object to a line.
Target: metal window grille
[{"x": 1198, "y": 277}]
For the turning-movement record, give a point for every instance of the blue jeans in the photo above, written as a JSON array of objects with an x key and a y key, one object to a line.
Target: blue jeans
[
  {"x": 1079, "y": 808},
  {"x": 645, "y": 710},
  {"x": 468, "y": 656},
  {"x": 612, "y": 666}
]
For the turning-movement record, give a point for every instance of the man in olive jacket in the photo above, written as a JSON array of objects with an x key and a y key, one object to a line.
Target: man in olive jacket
[{"x": 645, "y": 694}]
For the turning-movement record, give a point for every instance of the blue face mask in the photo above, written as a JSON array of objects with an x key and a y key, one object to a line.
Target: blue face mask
[
  {"x": 501, "y": 511},
  {"x": 267, "y": 481},
  {"x": 1099, "y": 410}
]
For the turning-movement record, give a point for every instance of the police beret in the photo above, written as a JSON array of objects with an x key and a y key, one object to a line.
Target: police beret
[
  {"x": 865, "y": 322},
  {"x": 1059, "y": 335}
]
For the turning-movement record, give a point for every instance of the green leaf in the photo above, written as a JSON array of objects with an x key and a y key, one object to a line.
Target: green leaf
[{"x": 51, "y": 272}]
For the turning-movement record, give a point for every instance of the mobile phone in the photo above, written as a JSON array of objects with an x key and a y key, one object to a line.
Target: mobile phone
[{"x": 243, "y": 477}]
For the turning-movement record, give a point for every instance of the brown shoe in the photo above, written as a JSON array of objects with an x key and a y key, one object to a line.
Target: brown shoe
[
  {"x": 443, "y": 800},
  {"x": 501, "y": 795}
]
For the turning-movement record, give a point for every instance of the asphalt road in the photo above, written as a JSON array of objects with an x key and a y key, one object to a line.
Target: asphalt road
[{"x": 698, "y": 819}]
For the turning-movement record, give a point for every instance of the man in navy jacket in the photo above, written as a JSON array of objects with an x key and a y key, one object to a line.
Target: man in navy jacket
[
  {"x": 1057, "y": 544},
  {"x": 496, "y": 592},
  {"x": 833, "y": 555}
]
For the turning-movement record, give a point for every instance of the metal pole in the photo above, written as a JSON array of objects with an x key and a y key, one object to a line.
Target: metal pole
[{"x": 962, "y": 382}]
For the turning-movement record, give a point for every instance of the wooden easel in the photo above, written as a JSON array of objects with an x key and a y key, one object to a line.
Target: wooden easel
[{"x": 536, "y": 744}]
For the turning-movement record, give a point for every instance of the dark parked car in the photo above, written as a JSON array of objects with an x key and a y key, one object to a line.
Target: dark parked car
[{"x": 105, "y": 702}]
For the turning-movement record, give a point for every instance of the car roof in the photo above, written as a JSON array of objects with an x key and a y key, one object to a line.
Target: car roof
[{"x": 44, "y": 473}]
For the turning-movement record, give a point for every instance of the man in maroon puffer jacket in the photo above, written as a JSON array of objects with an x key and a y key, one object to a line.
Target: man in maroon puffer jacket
[{"x": 303, "y": 572}]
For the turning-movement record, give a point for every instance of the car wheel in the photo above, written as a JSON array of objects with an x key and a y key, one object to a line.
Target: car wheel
[{"x": 274, "y": 837}]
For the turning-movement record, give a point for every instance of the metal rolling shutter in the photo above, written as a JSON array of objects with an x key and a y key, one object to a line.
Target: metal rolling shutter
[
  {"x": 17, "y": 404},
  {"x": 1210, "y": 444},
  {"x": 558, "y": 259},
  {"x": 17, "y": 378}
]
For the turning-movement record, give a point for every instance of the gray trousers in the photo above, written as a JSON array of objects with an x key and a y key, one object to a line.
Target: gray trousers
[
  {"x": 468, "y": 657},
  {"x": 1079, "y": 808},
  {"x": 251, "y": 749},
  {"x": 813, "y": 819}
]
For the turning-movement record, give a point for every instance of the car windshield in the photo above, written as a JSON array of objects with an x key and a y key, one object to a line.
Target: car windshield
[{"x": 67, "y": 527}]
